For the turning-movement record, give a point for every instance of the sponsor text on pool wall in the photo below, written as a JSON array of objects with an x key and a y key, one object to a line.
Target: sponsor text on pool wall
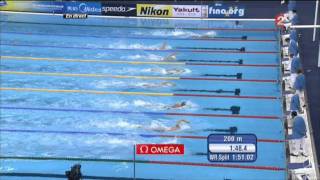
[
  {"x": 33, "y": 6},
  {"x": 118, "y": 9},
  {"x": 188, "y": 11},
  {"x": 217, "y": 10},
  {"x": 154, "y": 10},
  {"x": 93, "y": 8},
  {"x": 224, "y": 11}
]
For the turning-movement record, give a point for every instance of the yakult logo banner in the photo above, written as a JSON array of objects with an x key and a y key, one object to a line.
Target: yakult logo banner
[
  {"x": 160, "y": 149},
  {"x": 187, "y": 11},
  {"x": 223, "y": 11},
  {"x": 154, "y": 10}
]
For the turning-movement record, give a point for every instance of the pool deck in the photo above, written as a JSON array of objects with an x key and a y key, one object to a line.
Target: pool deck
[
  {"x": 309, "y": 58},
  {"x": 308, "y": 53}
]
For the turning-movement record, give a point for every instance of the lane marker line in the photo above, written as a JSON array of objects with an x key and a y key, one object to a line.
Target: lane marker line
[
  {"x": 132, "y": 93},
  {"x": 135, "y": 49},
  {"x": 132, "y": 62},
  {"x": 236, "y": 39},
  {"x": 134, "y": 77},
  {"x": 238, "y": 117},
  {"x": 124, "y": 134}
]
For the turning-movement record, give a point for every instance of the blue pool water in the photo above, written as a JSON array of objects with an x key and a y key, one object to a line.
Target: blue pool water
[{"x": 110, "y": 67}]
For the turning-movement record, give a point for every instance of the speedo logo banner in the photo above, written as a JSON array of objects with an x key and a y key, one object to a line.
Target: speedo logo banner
[
  {"x": 154, "y": 10},
  {"x": 225, "y": 11},
  {"x": 119, "y": 9}
]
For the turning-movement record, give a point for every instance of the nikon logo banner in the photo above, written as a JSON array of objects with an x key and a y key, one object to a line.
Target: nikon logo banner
[{"x": 154, "y": 10}]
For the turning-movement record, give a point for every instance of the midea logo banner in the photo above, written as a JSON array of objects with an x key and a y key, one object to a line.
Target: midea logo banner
[
  {"x": 93, "y": 8},
  {"x": 231, "y": 11}
]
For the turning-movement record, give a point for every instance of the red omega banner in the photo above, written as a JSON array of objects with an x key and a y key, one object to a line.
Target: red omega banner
[{"x": 160, "y": 149}]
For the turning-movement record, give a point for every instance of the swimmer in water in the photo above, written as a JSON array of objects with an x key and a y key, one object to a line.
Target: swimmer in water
[
  {"x": 177, "y": 127},
  {"x": 207, "y": 35},
  {"x": 175, "y": 71},
  {"x": 177, "y": 105},
  {"x": 164, "y": 46},
  {"x": 155, "y": 85},
  {"x": 171, "y": 57}
]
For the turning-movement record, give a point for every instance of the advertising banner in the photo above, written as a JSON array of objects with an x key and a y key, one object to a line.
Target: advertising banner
[
  {"x": 92, "y": 8},
  {"x": 118, "y": 9},
  {"x": 225, "y": 11},
  {"x": 3, "y": 3},
  {"x": 160, "y": 149},
  {"x": 33, "y": 6},
  {"x": 154, "y": 10},
  {"x": 187, "y": 11}
]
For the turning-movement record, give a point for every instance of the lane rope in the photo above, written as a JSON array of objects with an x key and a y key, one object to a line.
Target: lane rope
[
  {"x": 186, "y": 63},
  {"x": 150, "y": 27},
  {"x": 125, "y": 134},
  {"x": 238, "y": 117},
  {"x": 217, "y": 38},
  {"x": 135, "y": 49},
  {"x": 134, "y": 77},
  {"x": 132, "y": 93}
]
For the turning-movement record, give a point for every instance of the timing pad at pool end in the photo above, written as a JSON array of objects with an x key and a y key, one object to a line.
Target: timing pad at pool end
[
  {"x": 239, "y": 75},
  {"x": 244, "y": 37},
  {"x": 237, "y": 92},
  {"x": 235, "y": 109}
]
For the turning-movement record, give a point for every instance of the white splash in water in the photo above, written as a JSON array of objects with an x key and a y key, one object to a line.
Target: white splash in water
[
  {"x": 211, "y": 33},
  {"x": 118, "y": 104},
  {"x": 115, "y": 123},
  {"x": 175, "y": 33},
  {"x": 149, "y": 105},
  {"x": 190, "y": 106},
  {"x": 106, "y": 84},
  {"x": 158, "y": 125},
  {"x": 153, "y": 85},
  {"x": 152, "y": 57},
  {"x": 174, "y": 71},
  {"x": 6, "y": 168},
  {"x": 103, "y": 54},
  {"x": 139, "y": 46}
]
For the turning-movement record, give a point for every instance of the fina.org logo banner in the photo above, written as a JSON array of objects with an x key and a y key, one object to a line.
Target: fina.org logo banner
[{"x": 231, "y": 11}]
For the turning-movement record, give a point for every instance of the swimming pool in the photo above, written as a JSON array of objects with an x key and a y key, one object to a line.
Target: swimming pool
[{"x": 80, "y": 91}]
